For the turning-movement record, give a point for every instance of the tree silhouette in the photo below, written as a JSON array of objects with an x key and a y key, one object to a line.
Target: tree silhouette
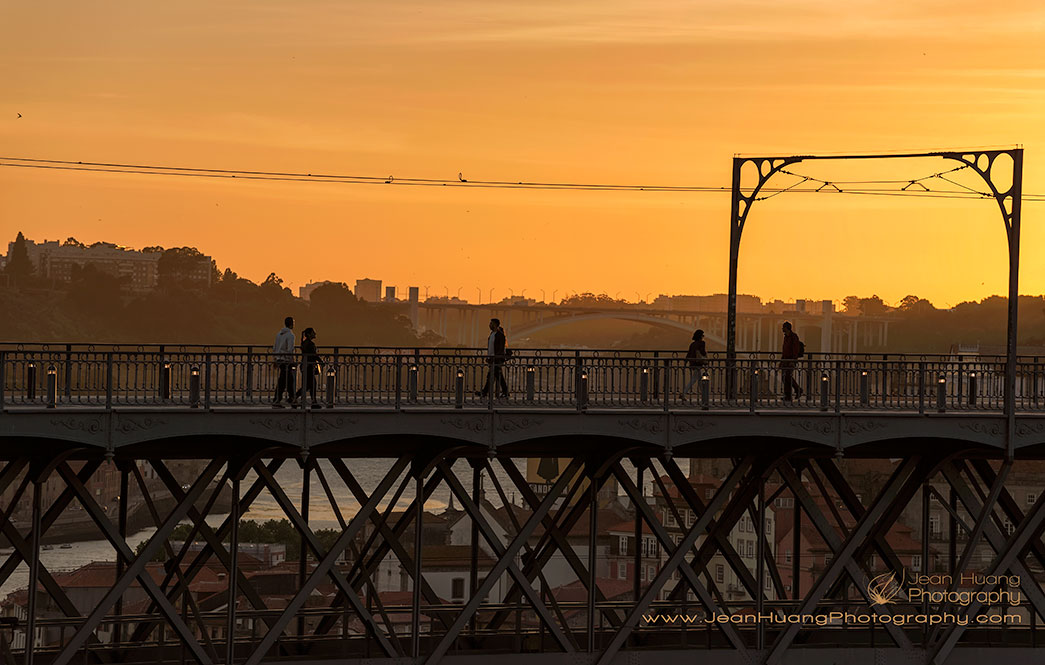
[{"x": 19, "y": 267}]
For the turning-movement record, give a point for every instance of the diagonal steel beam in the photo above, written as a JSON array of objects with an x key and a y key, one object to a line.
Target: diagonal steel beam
[
  {"x": 371, "y": 589},
  {"x": 1009, "y": 505},
  {"x": 362, "y": 569},
  {"x": 174, "y": 568},
  {"x": 510, "y": 552},
  {"x": 188, "y": 600},
  {"x": 729, "y": 553},
  {"x": 23, "y": 549},
  {"x": 955, "y": 515},
  {"x": 405, "y": 558},
  {"x": 488, "y": 533},
  {"x": 528, "y": 552},
  {"x": 994, "y": 536},
  {"x": 834, "y": 542},
  {"x": 58, "y": 506},
  {"x": 136, "y": 569},
  {"x": 983, "y": 520},
  {"x": 242, "y": 583},
  {"x": 900, "y": 479},
  {"x": 727, "y": 520},
  {"x": 1028, "y": 530},
  {"x": 10, "y": 472},
  {"x": 856, "y": 508},
  {"x": 325, "y": 566},
  {"x": 573, "y": 509},
  {"x": 677, "y": 558},
  {"x": 579, "y": 568}
]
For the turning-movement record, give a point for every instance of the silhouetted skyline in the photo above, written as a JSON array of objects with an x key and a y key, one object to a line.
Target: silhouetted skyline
[{"x": 657, "y": 92}]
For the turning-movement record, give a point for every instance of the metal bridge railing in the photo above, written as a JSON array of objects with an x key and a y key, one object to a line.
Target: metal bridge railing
[{"x": 454, "y": 378}]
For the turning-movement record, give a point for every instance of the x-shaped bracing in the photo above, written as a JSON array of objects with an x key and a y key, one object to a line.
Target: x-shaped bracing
[{"x": 136, "y": 569}]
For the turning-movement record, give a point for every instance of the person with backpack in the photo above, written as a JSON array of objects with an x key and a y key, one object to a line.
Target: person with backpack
[
  {"x": 697, "y": 355},
  {"x": 793, "y": 349},
  {"x": 496, "y": 354}
]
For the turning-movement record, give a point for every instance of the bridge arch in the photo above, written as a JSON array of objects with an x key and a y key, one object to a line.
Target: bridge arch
[{"x": 619, "y": 315}]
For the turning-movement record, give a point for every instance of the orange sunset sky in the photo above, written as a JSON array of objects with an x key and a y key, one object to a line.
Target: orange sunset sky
[{"x": 654, "y": 91}]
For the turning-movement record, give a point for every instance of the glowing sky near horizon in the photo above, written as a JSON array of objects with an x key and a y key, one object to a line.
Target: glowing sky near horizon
[{"x": 657, "y": 91}]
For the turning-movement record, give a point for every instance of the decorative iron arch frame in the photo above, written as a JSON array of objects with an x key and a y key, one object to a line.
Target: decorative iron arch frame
[{"x": 982, "y": 162}]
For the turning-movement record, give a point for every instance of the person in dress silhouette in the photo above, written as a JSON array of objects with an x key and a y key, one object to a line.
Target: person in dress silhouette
[{"x": 311, "y": 365}]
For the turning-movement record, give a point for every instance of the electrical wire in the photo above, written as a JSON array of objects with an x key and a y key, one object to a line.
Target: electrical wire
[{"x": 964, "y": 192}]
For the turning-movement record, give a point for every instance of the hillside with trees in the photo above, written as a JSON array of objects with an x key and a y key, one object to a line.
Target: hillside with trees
[{"x": 94, "y": 306}]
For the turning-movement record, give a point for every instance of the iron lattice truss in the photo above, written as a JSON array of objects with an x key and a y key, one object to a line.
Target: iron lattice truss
[{"x": 840, "y": 540}]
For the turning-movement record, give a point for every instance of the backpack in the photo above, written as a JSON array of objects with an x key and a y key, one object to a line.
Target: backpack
[{"x": 801, "y": 349}]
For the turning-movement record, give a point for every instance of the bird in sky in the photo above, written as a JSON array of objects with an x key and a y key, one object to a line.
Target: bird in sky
[{"x": 19, "y": 115}]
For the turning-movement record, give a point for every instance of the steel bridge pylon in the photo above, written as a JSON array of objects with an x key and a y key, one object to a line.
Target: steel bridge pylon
[{"x": 1008, "y": 194}]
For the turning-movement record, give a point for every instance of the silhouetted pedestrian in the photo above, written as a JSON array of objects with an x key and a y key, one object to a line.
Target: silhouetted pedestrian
[
  {"x": 697, "y": 355},
  {"x": 283, "y": 352},
  {"x": 310, "y": 364},
  {"x": 495, "y": 357},
  {"x": 792, "y": 351}
]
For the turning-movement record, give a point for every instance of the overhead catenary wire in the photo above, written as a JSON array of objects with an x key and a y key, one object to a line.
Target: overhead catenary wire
[{"x": 964, "y": 193}]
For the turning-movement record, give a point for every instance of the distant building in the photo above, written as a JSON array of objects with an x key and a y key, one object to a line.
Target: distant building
[
  {"x": 445, "y": 300},
  {"x": 305, "y": 292},
  {"x": 716, "y": 303},
  {"x": 390, "y": 294},
  {"x": 518, "y": 301},
  {"x": 801, "y": 306},
  {"x": 368, "y": 290},
  {"x": 56, "y": 261}
]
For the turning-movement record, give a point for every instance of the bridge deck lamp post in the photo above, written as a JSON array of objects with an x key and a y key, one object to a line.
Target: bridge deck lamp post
[
  {"x": 165, "y": 382},
  {"x": 582, "y": 390},
  {"x": 941, "y": 394},
  {"x": 644, "y": 385},
  {"x": 412, "y": 383},
  {"x": 459, "y": 390},
  {"x": 1007, "y": 193},
  {"x": 30, "y": 382},
  {"x": 194, "y": 387},
  {"x": 865, "y": 389},
  {"x": 530, "y": 383},
  {"x": 52, "y": 386},
  {"x": 753, "y": 392},
  {"x": 331, "y": 385},
  {"x": 825, "y": 392},
  {"x": 705, "y": 390},
  {"x": 972, "y": 389}
]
